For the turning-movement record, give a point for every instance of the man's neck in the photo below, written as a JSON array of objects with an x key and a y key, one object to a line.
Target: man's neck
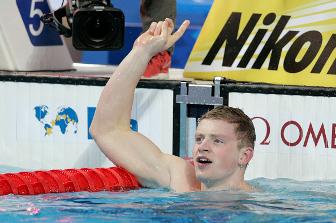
[
  {"x": 242, "y": 186},
  {"x": 233, "y": 182}
]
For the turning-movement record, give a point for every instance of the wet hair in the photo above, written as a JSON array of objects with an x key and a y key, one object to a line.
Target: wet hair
[{"x": 244, "y": 127}]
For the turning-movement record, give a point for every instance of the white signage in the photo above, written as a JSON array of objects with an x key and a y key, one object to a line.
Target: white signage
[
  {"x": 296, "y": 135},
  {"x": 45, "y": 126}
]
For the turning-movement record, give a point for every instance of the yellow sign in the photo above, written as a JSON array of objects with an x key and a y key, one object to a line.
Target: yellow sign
[{"x": 279, "y": 42}]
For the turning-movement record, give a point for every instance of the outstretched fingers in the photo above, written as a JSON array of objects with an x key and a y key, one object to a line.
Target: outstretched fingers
[
  {"x": 171, "y": 39},
  {"x": 177, "y": 35},
  {"x": 160, "y": 35}
]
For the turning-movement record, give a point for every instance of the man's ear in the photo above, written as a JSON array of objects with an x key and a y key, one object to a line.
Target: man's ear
[{"x": 246, "y": 154}]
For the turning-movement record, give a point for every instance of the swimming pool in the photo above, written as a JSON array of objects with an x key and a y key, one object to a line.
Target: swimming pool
[{"x": 280, "y": 200}]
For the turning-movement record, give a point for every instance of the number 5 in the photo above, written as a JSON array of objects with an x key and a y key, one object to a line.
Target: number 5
[{"x": 35, "y": 12}]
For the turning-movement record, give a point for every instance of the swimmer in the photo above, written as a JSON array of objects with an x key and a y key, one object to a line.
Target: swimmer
[{"x": 224, "y": 140}]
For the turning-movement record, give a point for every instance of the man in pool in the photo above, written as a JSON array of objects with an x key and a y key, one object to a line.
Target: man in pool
[{"x": 224, "y": 138}]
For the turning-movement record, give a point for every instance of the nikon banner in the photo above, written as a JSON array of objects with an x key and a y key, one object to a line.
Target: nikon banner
[{"x": 279, "y": 42}]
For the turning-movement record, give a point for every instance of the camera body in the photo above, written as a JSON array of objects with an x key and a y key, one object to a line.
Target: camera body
[
  {"x": 97, "y": 27},
  {"x": 93, "y": 24}
]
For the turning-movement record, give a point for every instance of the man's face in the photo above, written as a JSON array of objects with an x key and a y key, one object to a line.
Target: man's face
[{"x": 216, "y": 151}]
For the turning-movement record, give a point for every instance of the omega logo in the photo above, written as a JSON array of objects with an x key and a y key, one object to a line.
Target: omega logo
[{"x": 305, "y": 135}]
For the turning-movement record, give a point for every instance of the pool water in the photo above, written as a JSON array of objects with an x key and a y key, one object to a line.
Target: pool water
[{"x": 280, "y": 200}]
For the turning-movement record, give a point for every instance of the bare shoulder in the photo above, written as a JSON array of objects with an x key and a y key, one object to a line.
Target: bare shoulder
[{"x": 182, "y": 174}]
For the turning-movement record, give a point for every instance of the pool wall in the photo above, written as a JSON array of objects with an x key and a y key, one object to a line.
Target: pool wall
[
  {"x": 45, "y": 121},
  {"x": 45, "y": 125}
]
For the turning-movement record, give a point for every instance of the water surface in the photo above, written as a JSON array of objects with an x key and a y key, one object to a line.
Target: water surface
[{"x": 280, "y": 200}]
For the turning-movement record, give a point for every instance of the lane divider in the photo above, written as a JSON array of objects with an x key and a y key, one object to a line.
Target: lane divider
[{"x": 68, "y": 180}]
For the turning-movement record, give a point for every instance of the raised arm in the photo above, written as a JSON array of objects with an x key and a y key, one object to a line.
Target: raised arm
[{"x": 111, "y": 124}]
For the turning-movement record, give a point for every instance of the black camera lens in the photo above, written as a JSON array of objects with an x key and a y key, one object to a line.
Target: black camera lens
[{"x": 98, "y": 29}]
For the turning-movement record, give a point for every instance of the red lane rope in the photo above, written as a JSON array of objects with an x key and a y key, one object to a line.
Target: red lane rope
[{"x": 68, "y": 180}]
